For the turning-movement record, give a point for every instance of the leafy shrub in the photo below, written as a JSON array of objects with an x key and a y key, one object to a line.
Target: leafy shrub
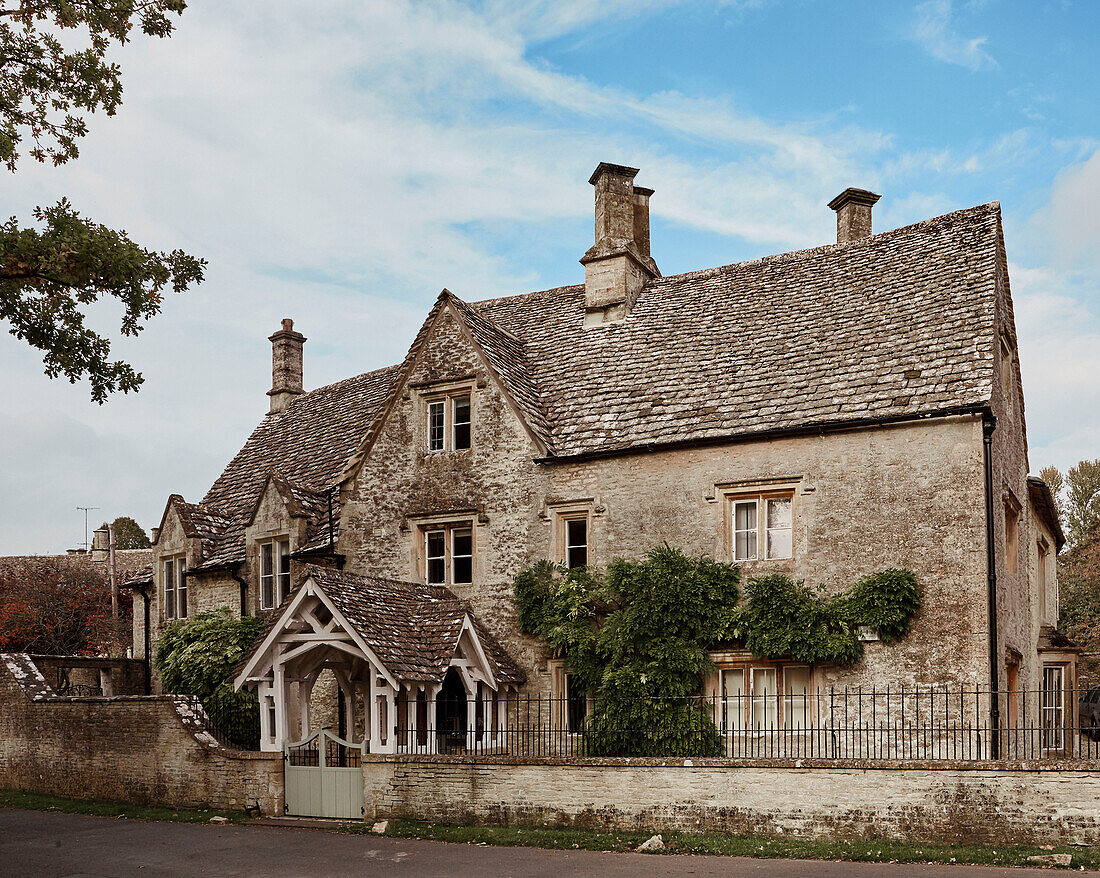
[
  {"x": 196, "y": 657},
  {"x": 786, "y": 618},
  {"x": 636, "y": 638},
  {"x": 885, "y": 602}
]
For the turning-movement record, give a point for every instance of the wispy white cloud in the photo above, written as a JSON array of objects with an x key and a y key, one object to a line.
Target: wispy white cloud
[
  {"x": 332, "y": 161},
  {"x": 935, "y": 31}
]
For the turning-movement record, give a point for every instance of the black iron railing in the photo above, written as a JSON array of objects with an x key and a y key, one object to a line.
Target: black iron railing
[{"x": 888, "y": 723}]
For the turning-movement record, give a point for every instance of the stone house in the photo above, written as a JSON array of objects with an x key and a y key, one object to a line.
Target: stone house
[{"x": 825, "y": 413}]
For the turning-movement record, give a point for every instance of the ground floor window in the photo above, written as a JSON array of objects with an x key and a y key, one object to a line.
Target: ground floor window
[
  {"x": 1053, "y": 707},
  {"x": 764, "y": 697}
]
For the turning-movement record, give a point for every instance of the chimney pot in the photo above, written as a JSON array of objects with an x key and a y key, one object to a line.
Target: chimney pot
[
  {"x": 853, "y": 214},
  {"x": 286, "y": 366}
]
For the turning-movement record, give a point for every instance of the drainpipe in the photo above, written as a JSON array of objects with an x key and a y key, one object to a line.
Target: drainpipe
[
  {"x": 989, "y": 424},
  {"x": 331, "y": 528},
  {"x": 244, "y": 591}
]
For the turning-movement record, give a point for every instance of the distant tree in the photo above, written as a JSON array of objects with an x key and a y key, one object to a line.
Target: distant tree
[
  {"x": 1056, "y": 482},
  {"x": 1079, "y": 594},
  {"x": 59, "y": 607},
  {"x": 1077, "y": 495},
  {"x": 51, "y": 274},
  {"x": 129, "y": 534}
]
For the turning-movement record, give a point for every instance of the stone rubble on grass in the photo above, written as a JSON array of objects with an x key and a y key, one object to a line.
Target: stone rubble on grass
[
  {"x": 653, "y": 843},
  {"x": 380, "y": 827},
  {"x": 219, "y": 820},
  {"x": 1051, "y": 859}
]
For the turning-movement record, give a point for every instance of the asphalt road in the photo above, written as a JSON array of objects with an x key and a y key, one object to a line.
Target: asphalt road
[{"x": 35, "y": 844}]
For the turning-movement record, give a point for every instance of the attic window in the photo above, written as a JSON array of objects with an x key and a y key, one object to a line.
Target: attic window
[
  {"x": 175, "y": 588},
  {"x": 274, "y": 573},
  {"x": 449, "y": 421}
]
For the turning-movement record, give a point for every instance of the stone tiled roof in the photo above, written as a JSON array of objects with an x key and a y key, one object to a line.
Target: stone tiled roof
[
  {"x": 306, "y": 446},
  {"x": 129, "y": 563},
  {"x": 896, "y": 324},
  {"x": 507, "y": 356},
  {"x": 413, "y": 629}
]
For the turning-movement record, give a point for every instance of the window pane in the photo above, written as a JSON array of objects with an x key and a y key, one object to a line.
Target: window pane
[
  {"x": 461, "y": 419},
  {"x": 462, "y": 550},
  {"x": 169, "y": 590},
  {"x": 797, "y": 699},
  {"x": 436, "y": 557},
  {"x": 763, "y": 699},
  {"x": 745, "y": 516},
  {"x": 780, "y": 542},
  {"x": 733, "y": 699},
  {"x": 435, "y": 426},
  {"x": 267, "y": 577},
  {"x": 181, "y": 588},
  {"x": 744, "y": 531},
  {"x": 576, "y": 542},
  {"x": 284, "y": 569}
]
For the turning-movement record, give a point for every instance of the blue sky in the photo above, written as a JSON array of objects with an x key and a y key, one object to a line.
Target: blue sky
[{"x": 339, "y": 162}]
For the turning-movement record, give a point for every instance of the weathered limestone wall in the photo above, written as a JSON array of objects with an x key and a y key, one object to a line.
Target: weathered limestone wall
[
  {"x": 494, "y": 487},
  {"x": 934, "y": 802},
  {"x": 903, "y": 496},
  {"x": 144, "y": 750},
  {"x": 1017, "y": 605}
]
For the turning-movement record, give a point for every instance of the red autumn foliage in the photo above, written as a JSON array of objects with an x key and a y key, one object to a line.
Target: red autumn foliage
[{"x": 59, "y": 606}]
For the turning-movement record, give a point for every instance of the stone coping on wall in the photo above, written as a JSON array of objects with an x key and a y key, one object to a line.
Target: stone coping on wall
[
  {"x": 188, "y": 708},
  {"x": 1084, "y": 766}
]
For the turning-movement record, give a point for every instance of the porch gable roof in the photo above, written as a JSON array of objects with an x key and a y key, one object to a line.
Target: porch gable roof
[{"x": 412, "y": 630}]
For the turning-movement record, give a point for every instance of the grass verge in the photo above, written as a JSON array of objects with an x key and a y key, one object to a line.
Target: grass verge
[
  {"x": 720, "y": 844},
  {"x": 97, "y": 808}
]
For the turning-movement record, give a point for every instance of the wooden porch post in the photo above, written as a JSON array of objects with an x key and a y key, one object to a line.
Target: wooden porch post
[
  {"x": 432, "y": 692},
  {"x": 389, "y": 699},
  {"x": 281, "y": 714},
  {"x": 371, "y": 705}
]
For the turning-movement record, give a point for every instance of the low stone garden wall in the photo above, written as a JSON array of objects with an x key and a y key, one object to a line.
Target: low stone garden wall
[
  {"x": 148, "y": 750},
  {"x": 919, "y": 801}
]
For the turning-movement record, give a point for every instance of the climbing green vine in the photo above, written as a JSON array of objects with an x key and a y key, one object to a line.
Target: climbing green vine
[{"x": 636, "y": 636}]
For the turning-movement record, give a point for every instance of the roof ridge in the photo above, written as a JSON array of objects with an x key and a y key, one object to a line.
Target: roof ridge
[
  {"x": 697, "y": 273},
  {"x": 341, "y": 382},
  {"x": 820, "y": 249}
]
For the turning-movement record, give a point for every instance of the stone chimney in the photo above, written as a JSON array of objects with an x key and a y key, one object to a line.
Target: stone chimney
[
  {"x": 618, "y": 265},
  {"x": 286, "y": 366},
  {"x": 853, "y": 214},
  {"x": 101, "y": 544}
]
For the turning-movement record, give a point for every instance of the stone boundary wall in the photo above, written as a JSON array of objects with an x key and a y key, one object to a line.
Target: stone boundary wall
[
  {"x": 147, "y": 750},
  {"x": 1004, "y": 803}
]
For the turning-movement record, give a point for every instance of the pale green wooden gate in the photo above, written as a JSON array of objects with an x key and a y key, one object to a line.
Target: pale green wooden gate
[{"x": 324, "y": 777}]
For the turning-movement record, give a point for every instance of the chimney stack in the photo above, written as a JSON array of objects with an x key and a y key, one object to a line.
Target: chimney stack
[
  {"x": 286, "y": 366},
  {"x": 853, "y": 214},
  {"x": 618, "y": 265},
  {"x": 101, "y": 543}
]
